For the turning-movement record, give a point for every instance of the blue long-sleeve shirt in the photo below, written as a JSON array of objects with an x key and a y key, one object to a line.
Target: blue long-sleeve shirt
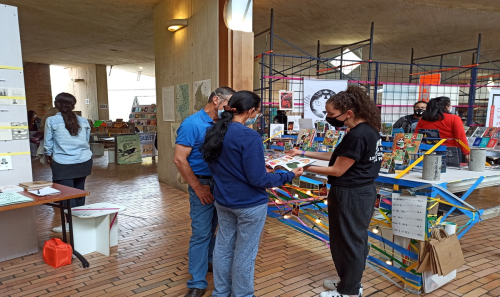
[
  {"x": 240, "y": 172},
  {"x": 64, "y": 148}
]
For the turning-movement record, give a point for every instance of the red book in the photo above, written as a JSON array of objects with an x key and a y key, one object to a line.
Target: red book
[
  {"x": 492, "y": 143},
  {"x": 490, "y": 131}
]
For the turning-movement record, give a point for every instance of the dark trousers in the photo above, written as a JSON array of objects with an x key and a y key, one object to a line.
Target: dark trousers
[
  {"x": 349, "y": 214},
  {"x": 77, "y": 183}
]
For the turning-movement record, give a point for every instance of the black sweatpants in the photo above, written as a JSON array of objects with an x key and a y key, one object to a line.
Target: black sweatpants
[
  {"x": 349, "y": 214},
  {"x": 77, "y": 183}
]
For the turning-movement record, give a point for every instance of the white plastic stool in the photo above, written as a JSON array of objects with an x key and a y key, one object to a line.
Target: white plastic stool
[
  {"x": 95, "y": 227},
  {"x": 111, "y": 155}
]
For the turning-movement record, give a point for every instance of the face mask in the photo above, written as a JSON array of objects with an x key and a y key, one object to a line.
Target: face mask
[
  {"x": 251, "y": 121},
  {"x": 418, "y": 112},
  {"x": 335, "y": 122},
  {"x": 219, "y": 113}
]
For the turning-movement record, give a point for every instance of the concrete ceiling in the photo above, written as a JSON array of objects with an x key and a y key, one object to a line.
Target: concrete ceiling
[{"x": 120, "y": 32}]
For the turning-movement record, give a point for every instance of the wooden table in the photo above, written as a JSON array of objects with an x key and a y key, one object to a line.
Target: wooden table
[{"x": 66, "y": 194}]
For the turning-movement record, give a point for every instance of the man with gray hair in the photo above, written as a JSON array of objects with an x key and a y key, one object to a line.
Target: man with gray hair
[{"x": 189, "y": 162}]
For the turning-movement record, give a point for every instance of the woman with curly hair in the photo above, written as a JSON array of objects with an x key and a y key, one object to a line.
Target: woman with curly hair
[{"x": 353, "y": 168}]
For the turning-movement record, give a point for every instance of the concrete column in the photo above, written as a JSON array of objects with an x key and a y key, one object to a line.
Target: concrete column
[
  {"x": 102, "y": 92},
  {"x": 38, "y": 87}
]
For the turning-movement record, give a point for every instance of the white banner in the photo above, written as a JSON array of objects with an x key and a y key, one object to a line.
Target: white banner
[
  {"x": 316, "y": 93},
  {"x": 493, "y": 113}
]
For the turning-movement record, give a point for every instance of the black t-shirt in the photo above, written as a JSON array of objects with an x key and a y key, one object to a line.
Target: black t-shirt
[{"x": 363, "y": 145}]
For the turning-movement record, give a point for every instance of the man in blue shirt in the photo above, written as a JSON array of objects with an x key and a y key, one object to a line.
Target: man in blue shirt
[{"x": 189, "y": 162}]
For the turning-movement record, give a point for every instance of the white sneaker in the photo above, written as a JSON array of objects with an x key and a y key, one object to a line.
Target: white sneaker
[
  {"x": 334, "y": 293},
  {"x": 59, "y": 229},
  {"x": 331, "y": 284}
]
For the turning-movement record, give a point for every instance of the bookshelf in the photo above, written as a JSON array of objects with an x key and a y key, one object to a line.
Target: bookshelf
[{"x": 144, "y": 117}]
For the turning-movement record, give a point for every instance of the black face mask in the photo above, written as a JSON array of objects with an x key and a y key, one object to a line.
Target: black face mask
[
  {"x": 418, "y": 112},
  {"x": 335, "y": 122}
]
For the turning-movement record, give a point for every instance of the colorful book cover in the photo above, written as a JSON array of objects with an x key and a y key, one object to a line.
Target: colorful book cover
[
  {"x": 496, "y": 135},
  {"x": 497, "y": 147},
  {"x": 387, "y": 166},
  {"x": 289, "y": 163},
  {"x": 484, "y": 142},
  {"x": 331, "y": 137},
  {"x": 398, "y": 142},
  {"x": 430, "y": 136},
  {"x": 341, "y": 136},
  {"x": 399, "y": 157},
  {"x": 489, "y": 132},
  {"x": 320, "y": 127},
  {"x": 470, "y": 132},
  {"x": 492, "y": 143},
  {"x": 306, "y": 136},
  {"x": 397, "y": 131},
  {"x": 412, "y": 142},
  {"x": 386, "y": 129},
  {"x": 477, "y": 141},
  {"x": 470, "y": 141},
  {"x": 479, "y": 132}
]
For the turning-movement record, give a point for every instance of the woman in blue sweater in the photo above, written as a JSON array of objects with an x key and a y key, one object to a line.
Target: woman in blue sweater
[{"x": 235, "y": 157}]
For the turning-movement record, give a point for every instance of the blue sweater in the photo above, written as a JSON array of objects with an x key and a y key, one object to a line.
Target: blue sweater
[{"x": 240, "y": 172}]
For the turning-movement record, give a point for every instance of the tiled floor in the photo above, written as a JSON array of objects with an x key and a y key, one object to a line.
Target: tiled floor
[{"x": 151, "y": 259}]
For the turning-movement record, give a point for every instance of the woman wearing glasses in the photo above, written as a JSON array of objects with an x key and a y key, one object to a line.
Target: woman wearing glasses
[{"x": 235, "y": 156}]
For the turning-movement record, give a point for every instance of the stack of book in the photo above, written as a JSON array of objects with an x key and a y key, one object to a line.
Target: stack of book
[
  {"x": 36, "y": 185},
  {"x": 486, "y": 137}
]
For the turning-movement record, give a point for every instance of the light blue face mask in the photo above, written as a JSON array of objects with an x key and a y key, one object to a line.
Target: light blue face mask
[
  {"x": 219, "y": 113},
  {"x": 251, "y": 121}
]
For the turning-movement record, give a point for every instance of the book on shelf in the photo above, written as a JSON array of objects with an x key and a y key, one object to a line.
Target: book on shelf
[
  {"x": 492, "y": 143},
  {"x": 409, "y": 142},
  {"x": 479, "y": 132},
  {"x": 490, "y": 131},
  {"x": 496, "y": 135},
  {"x": 470, "y": 132},
  {"x": 386, "y": 129},
  {"x": 477, "y": 141},
  {"x": 306, "y": 136},
  {"x": 484, "y": 142}
]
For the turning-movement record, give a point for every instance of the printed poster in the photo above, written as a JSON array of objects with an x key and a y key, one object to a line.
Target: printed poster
[
  {"x": 129, "y": 149},
  {"x": 147, "y": 144},
  {"x": 276, "y": 128},
  {"x": 286, "y": 100},
  {"x": 173, "y": 133},
  {"x": 409, "y": 214},
  {"x": 493, "y": 114},
  {"x": 5, "y": 162},
  {"x": 202, "y": 90},
  {"x": 316, "y": 93},
  {"x": 182, "y": 104},
  {"x": 168, "y": 103}
]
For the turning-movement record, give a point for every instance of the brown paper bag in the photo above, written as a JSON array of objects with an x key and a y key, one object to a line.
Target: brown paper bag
[
  {"x": 424, "y": 257},
  {"x": 446, "y": 253}
]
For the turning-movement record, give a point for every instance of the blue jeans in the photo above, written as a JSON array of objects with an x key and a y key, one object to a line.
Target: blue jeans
[
  {"x": 201, "y": 245},
  {"x": 236, "y": 248}
]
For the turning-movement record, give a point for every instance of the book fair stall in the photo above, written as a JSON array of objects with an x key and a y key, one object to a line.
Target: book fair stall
[{"x": 423, "y": 185}]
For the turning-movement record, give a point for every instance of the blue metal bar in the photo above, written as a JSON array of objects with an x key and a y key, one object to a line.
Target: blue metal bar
[
  {"x": 398, "y": 248},
  {"x": 469, "y": 191}
]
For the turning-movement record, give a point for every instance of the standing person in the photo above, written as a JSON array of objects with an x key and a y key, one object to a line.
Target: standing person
[
  {"x": 34, "y": 121},
  {"x": 409, "y": 122},
  {"x": 235, "y": 156},
  {"x": 353, "y": 168},
  {"x": 450, "y": 126},
  {"x": 189, "y": 162},
  {"x": 67, "y": 148}
]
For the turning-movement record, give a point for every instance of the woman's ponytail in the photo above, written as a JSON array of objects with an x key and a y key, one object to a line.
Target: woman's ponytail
[{"x": 65, "y": 103}]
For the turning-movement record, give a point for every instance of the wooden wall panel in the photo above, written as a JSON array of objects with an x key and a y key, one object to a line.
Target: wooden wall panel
[{"x": 185, "y": 56}]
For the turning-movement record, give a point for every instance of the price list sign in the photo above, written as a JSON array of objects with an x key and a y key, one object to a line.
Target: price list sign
[{"x": 408, "y": 216}]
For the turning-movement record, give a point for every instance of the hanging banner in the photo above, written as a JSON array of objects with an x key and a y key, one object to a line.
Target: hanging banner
[
  {"x": 426, "y": 81},
  {"x": 316, "y": 93},
  {"x": 147, "y": 144},
  {"x": 129, "y": 149},
  {"x": 493, "y": 114}
]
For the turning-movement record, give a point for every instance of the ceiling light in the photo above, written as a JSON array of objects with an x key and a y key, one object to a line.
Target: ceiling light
[
  {"x": 176, "y": 24},
  {"x": 349, "y": 61},
  {"x": 238, "y": 15},
  {"x": 141, "y": 67}
]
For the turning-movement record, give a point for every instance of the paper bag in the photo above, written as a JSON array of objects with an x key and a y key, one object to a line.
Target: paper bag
[{"x": 446, "y": 252}]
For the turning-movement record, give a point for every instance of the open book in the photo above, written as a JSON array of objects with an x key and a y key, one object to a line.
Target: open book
[{"x": 289, "y": 163}]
